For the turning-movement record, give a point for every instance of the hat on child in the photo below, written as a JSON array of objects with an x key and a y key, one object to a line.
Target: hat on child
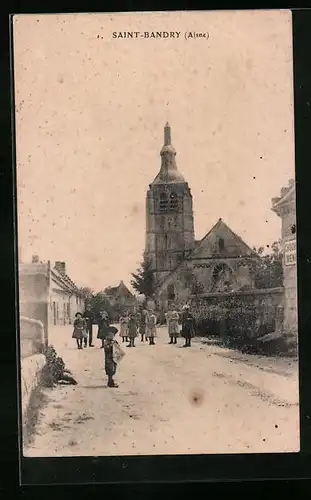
[{"x": 112, "y": 329}]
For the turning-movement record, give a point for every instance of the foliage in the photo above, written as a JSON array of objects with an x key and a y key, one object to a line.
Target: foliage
[
  {"x": 143, "y": 279},
  {"x": 96, "y": 302},
  {"x": 237, "y": 320},
  {"x": 191, "y": 281},
  {"x": 100, "y": 302},
  {"x": 54, "y": 370},
  {"x": 197, "y": 288},
  {"x": 87, "y": 294},
  {"x": 268, "y": 269}
]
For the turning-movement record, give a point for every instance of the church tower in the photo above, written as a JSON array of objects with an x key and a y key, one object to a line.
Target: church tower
[{"x": 169, "y": 214}]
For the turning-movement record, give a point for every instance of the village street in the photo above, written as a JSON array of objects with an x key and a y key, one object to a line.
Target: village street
[{"x": 170, "y": 400}]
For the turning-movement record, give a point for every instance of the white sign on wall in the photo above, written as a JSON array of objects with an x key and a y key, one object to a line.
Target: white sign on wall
[{"x": 290, "y": 253}]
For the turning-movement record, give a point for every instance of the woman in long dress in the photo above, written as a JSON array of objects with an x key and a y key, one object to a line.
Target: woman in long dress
[
  {"x": 188, "y": 326},
  {"x": 103, "y": 326},
  {"x": 142, "y": 324},
  {"x": 132, "y": 329},
  {"x": 124, "y": 327},
  {"x": 151, "y": 329},
  {"x": 172, "y": 319}
]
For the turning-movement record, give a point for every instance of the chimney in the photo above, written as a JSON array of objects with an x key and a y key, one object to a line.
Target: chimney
[
  {"x": 35, "y": 259},
  {"x": 60, "y": 267}
]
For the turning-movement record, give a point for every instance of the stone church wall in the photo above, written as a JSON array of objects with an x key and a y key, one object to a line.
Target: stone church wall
[{"x": 196, "y": 276}]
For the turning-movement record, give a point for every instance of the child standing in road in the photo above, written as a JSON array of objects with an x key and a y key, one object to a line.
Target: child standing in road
[
  {"x": 124, "y": 327},
  {"x": 151, "y": 330},
  {"x": 103, "y": 325},
  {"x": 79, "y": 329},
  {"x": 172, "y": 319},
  {"x": 188, "y": 328},
  {"x": 113, "y": 355},
  {"x": 132, "y": 329}
]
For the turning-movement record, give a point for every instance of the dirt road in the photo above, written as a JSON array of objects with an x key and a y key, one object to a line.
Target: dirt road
[{"x": 170, "y": 400}]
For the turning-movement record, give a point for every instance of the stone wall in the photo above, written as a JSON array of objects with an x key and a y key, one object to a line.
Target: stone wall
[
  {"x": 198, "y": 274},
  {"x": 33, "y": 293},
  {"x": 32, "y": 360},
  {"x": 31, "y": 368},
  {"x": 32, "y": 337}
]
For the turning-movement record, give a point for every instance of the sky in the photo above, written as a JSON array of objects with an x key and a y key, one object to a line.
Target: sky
[{"x": 90, "y": 113}]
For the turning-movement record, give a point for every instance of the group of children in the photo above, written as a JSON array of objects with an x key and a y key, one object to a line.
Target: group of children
[
  {"x": 131, "y": 326},
  {"x": 143, "y": 324}
]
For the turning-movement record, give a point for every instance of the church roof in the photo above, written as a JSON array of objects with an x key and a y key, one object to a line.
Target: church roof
[
  {"x": 169, "y": 176},
  {"x": 234, "y": 246},
  {"x": 168, "y": 172}
]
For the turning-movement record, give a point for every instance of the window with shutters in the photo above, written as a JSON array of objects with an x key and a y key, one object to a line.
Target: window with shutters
[
  {"x": 173, "y": 201},
  {"x": 163, "y": 202}
]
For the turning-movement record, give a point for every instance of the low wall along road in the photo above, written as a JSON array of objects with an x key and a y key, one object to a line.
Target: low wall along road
[{"x": 32, "y": 358}]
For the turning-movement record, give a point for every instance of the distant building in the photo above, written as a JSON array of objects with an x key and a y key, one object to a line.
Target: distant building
[
  {"x": 47, "y": 293},
  {"x": 182, "y": 265},
  {"x": 285, "y": 207},
  {"x": 120, "y": 297}
]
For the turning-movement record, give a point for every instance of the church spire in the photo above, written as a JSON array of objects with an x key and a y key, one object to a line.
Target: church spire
[
  {"x": 168, "y": 172},
  {"x": 167, "y": 135}
]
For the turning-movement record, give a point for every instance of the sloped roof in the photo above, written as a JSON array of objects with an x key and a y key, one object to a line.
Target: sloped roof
[
  {"x": 64, "y": 280},
  {"x": 234, "y": 245},
  {"x": 116, "y": 290},
  {"x": 168, "y": 172}
]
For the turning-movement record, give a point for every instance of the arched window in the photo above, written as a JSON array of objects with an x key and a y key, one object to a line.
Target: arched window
[
  {"x": 221, "y": 244},
  {"x": 222, "y": 277},
  {"x": 173, "y": 201},
  {"x": 163, "y": 202}
]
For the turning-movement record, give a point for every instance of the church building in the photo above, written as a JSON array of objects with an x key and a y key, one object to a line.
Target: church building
[{"x": 218, "y": 263}]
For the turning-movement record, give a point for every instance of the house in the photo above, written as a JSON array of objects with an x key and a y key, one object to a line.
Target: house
[
  {"x": 120, "y": 298},
  {"x": 47, "y": 293}
]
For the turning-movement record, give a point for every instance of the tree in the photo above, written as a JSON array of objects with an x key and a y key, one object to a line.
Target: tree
[
  {"x": 101, "y": 303},
  {"x": 87, "y": 294},
  {"x": 268, "y": 269},
  {"x": 143, "y": 281}
]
